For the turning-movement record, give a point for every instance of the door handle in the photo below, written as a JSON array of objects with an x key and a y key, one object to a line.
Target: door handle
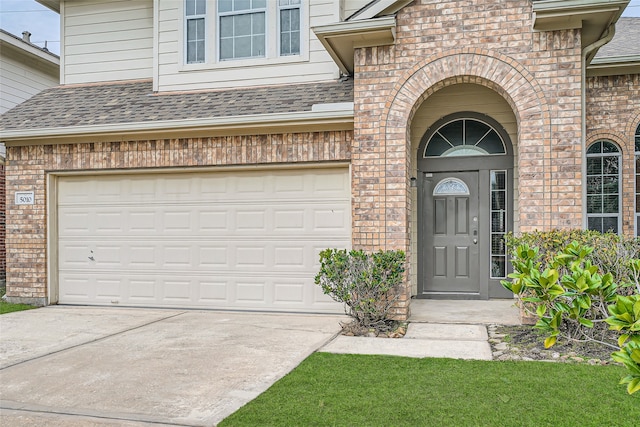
[{"x": 475, "y": 241}]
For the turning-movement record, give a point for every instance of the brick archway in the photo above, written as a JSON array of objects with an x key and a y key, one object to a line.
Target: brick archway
[{"x": 505, "y": 76}]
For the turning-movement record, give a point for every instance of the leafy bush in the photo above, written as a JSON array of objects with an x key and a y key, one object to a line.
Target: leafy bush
[
  {"x": 625, "y": 317},
  {"x": 364, "y": 282},
  {"x": 570, "y": 296},
  {"x": 611, "y": 253},
  {"x": 574, "y": 295}
]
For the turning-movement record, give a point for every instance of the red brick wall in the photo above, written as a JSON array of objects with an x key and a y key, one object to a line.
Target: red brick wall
[
  {"x": 613, "y": 113},
  {"x": 441, "y": 43},
  {"x": 3, "y": 224},
  {"x": 27, "y": 239}
]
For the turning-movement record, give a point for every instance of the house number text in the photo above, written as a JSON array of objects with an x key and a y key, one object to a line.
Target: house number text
[{"x": 24, "y": 197}]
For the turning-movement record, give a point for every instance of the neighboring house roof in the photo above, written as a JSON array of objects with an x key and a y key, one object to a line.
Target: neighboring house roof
[
  {"x": 29, "y": 48},
  {"x": 26, "y": 69},
  {"x": 622, "y": 54},
  {"x": 135, "y": 104}
]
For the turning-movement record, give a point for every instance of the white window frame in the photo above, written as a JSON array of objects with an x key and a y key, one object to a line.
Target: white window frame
[
  {"x": 184, "y": 33},
  {"x": 506, "y": 222},
  {"x": 212, "y": 61},
  {"x": 618, "y": 156},
  {"x": 220, "y": 15},
  {"x": 279, "y": 21}
]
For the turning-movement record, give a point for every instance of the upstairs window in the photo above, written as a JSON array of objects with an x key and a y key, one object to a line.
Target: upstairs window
[
  {"x": 603, "y": 187},
  {"x": 195, "y": 11},
  {"x": 289, "y": 24},
  {"x": 242, "y": 25},
  {"x": 217, "y": 31}
]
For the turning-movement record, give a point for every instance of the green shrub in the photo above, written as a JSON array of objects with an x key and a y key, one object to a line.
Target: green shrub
[
  {"x": 574, "y": 295},
  {"x": 611, "y": 253},
  {"x": 364, "y": 282},
  {"x": 568, "y": 293}
]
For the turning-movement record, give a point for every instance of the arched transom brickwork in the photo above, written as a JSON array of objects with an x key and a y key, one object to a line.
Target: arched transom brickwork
[{"x": 501, "y": 74}]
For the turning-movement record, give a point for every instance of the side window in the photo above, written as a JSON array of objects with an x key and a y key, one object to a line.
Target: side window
[
  {"x": 195, "y": 14},
  {"x": 638, "y": 181},
  {"x": 603, "y": 187},
  {"x": 289, "y": 27}
]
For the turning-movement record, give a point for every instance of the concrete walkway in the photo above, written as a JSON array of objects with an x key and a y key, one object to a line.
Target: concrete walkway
[
  {"x": 422, "y": 340},
  {"x": 438, "y": 328},
  {"x": 92, "y": 366}
]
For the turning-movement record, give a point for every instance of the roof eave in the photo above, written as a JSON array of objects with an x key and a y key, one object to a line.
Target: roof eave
[
  {"x": 614, "y": 66},
  {"x": 51, "y": 4},
  {"x": 341, "y": 118},
  {"x": 593, "y": 16},
  {"x": 378, "y": 8},
  {"x": 29, "y": 50},
  {"x": 342, "y": 38}
]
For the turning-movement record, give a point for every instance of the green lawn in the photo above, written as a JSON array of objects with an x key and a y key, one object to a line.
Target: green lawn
[
  {"x": 355, "y": 390},
  {"x": 6, "y": 307}
]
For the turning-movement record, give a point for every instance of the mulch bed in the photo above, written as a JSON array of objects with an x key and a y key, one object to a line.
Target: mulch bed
[{"x": 524, "y": 342}]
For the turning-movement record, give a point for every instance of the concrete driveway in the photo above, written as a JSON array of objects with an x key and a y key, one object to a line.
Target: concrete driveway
[{"x": 83, "y": 366}]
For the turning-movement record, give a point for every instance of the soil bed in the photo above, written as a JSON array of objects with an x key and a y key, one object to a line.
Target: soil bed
[{"x": 523, "y": 342}]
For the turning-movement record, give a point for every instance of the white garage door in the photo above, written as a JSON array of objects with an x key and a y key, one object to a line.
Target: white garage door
[{"x": 234, "y": 240}]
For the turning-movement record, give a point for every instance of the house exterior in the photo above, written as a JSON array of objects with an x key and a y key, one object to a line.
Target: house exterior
[
  {"x": 25, "y": 69},
  {"x": 201, "y": 154}
]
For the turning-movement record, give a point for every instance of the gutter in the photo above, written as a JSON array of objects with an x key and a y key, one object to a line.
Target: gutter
[
  {"x": 586, "y": 52},
  {"x": 342, "y": 114},
  {"x": 614, "y": 66}
]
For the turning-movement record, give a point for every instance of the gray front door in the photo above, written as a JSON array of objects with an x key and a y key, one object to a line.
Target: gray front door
[{"x": 451, "y": 235}]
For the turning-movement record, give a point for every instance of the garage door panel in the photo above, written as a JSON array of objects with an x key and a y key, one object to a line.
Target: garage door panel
[
  {"x": 212, "y": 257},
  {"x": 252, "y": 220},
  {"x": 75, "y": 255},
  {"x": 239, "y": 240},
  {"x": 288, "y": 292},
  {"x": 142, "y": 221},
  {"x": 213, "y": 292},
  {"x": 177, "y": 291},
  {"x": 250, "y": 291},
  {"x": 250, "y": 257},
  {"x": 212, "y": 221},
  {"x": 248, "y": 185},
  {"x": 141, "y": 291},
  {"x": 108, "y": 290},
  {"x": 326, "y": 219}
]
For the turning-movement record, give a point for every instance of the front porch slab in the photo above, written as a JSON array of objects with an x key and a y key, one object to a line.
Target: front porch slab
[{"x": 499, "y": 311}]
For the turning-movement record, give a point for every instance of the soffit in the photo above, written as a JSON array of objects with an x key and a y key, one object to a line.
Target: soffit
[
  {"x": 51, "y": 4},
  {"x": 593, "y": 16},
  {"x": 341, "y": 39}
]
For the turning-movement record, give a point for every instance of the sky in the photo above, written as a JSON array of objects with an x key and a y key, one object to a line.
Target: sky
[{"x": 17, "y": 16}]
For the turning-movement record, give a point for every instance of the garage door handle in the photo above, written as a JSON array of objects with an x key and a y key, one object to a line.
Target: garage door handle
[{"x": 92, "y": 258}]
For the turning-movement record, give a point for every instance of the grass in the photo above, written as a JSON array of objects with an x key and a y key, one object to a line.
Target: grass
[
  {"x": 356, "y": 390},
  {"x": 6, "y": 307}
]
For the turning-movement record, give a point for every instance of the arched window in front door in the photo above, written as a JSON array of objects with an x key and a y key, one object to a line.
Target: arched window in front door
[
  {"x": 465, "y": 137},
  {"x": 603, "y": 187}
]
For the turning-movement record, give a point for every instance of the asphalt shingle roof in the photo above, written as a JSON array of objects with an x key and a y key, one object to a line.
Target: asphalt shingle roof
[
  {"x": 626, "y": 42},
  {"x": 133, "y": 102}
]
